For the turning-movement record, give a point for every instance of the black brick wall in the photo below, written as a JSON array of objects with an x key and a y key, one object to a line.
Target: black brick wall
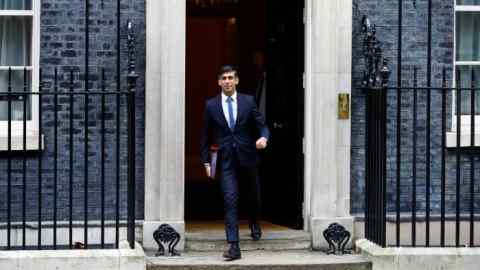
[
  {"x": 384, "y": 13},
  {"x": 63, "y": 47}
]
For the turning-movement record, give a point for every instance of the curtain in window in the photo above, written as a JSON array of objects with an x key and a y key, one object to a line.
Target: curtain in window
[
  {"x": 15, "y": 4},
  {"x": 468, "y": 49},
  {"x": 15, "y": 37},
  {"x": 468, "y": 2},
  {"x": 466, "y": 82},
  {"x": 468, "y": 36}
]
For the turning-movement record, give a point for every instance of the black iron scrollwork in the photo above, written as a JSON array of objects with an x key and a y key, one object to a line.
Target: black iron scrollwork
[
  {"x": 336, "y": 234},
  {"x": 131, "y": 42},
  {"x": 374, "y": 76},
  {"x": 166, "y": 234}
]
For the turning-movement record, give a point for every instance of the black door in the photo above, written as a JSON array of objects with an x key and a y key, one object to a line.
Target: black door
[{"x": 283, "y": 161}]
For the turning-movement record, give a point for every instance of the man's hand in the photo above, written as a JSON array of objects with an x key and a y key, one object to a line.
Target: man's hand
[
  {"x": 208, "y": 170},
  {"x": 261, "y": 143}
]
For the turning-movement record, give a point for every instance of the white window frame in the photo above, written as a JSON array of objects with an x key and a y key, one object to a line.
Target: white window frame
[
  {"x": 465, "y": 140},
  {"x": 32, "y": 133}
]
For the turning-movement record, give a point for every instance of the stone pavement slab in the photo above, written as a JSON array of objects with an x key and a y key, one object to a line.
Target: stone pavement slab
[
  {"x": 297, "y": 259},
  {"x": 271, "y": 240}
]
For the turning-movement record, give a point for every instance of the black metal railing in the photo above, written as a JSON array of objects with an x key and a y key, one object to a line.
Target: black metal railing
[
  {"x": 375, "y": 79},
  {"x": 463, "y": 199},
  {"x": 86, "y": 138},
  {"x": 420, "y": 190},
  {"x": 83, "y": 143},
  {"x": 93, "y": 101}
]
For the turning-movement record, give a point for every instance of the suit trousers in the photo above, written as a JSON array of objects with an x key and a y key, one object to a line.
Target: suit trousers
[{"x": 235, "y": 178}]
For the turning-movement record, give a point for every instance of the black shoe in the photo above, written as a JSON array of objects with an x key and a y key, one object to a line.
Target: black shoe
[
  {"x": 233, "y": 253},
  {"x": 256, "y": 231}
]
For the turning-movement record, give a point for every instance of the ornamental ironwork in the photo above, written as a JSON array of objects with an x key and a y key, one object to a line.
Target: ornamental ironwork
[
  {"x": 376, "y": 73},
  {"x": 131, "y": 42},
  {"x": 168, "y": 235},
  {"x": 337, "y": 235}
]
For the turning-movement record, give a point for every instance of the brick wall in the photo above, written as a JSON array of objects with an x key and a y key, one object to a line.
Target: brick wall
[
  {"x": 384, "y": 13},
  {"x": 63, "y": 47}
]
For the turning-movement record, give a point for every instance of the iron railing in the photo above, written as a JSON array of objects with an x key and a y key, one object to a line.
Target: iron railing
[
  {"x": 429, "y": 185},
  {"x": 99, "y": 106},
  {"x": 420, "y": 187},
  {"x": 375, "y": 80},
  {"x": 90, "y": 101}
]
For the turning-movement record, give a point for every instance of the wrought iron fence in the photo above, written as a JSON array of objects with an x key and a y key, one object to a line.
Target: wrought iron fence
[
  {"x": 465, "y": 179},
  {"x": 75, "y": 142},
  {"x": 90, "y": 101},
  {"x": 78, "y": 127},
  {"x": 418, "y": 190}
]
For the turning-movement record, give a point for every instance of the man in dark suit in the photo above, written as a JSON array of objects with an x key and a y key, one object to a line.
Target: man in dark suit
[{"x": 239, "y": 130}]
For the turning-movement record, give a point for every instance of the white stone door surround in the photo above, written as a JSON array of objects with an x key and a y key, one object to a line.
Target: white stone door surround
[
  {"x": 328, "y": 45},
  {"x": 328, "y": 58}
]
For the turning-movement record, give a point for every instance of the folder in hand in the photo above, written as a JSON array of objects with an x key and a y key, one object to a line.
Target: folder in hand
[{"x": 213, "y": 160}]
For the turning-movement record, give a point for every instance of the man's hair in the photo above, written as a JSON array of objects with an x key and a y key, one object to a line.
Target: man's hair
[{"x": 226, "y": 69}]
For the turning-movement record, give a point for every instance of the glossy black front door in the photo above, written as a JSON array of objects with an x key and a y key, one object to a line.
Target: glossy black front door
[{"x": 283, "y": 162}]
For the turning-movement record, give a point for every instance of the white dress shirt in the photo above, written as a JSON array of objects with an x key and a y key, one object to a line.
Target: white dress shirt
[{"x": 225, "y": 106}]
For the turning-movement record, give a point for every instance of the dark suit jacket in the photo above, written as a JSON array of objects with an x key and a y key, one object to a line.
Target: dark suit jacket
[{"x": 250, "y": 125}]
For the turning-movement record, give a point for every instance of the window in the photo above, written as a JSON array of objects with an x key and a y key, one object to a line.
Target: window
[
  {"x": 467, "y": 58},
  {"x": 19, "y": 50}
]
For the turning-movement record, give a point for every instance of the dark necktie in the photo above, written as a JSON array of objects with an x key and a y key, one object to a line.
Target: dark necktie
[{"x": 231, "y": 121}]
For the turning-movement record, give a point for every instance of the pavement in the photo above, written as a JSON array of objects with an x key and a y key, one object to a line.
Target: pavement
[{"x": 260, "y": 259}]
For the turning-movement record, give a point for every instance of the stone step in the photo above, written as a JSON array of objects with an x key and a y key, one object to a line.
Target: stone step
[
  {"x": 260, "y": 260},
  {"x": 271, "y": 240}
]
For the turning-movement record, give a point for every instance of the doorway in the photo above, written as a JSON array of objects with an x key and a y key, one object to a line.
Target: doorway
[{"x": 265, "y": 40}]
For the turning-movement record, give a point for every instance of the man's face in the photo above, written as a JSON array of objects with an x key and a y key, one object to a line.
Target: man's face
[{"x": 228, "y": 82}]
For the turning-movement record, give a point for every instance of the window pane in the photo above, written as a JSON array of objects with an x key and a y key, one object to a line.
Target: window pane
[
  {"x": 16, "y": 4},
  {"x": 468, "y": 36},
  {"x": 17, "y": 86},
  {"x": 466, "y": 82},
  {"x": 468, "y": 2},
  {"x": 15, "y": 41}
]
